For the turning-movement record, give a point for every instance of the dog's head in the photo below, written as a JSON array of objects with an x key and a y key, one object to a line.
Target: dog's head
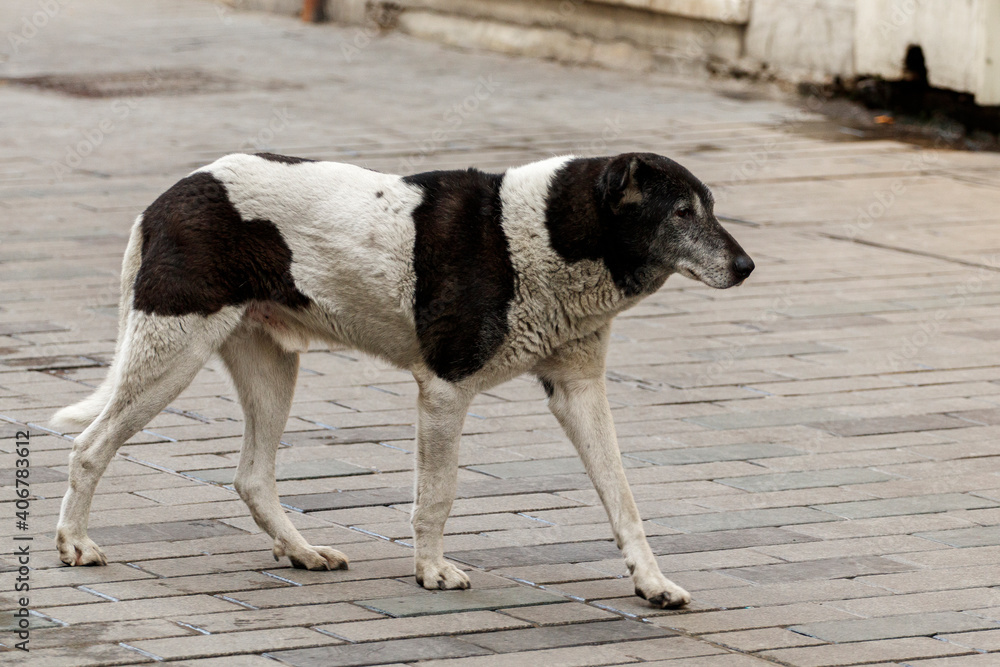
[{"x": 660, "y": 219}]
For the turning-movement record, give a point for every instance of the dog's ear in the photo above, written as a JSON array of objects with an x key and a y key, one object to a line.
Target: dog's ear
[{"x": 621, "y": 181}]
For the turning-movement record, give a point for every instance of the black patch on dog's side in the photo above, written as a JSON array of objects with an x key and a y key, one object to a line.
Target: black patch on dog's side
[
  {"x": 199, "y": 255},
  {"x": 283, "y": 159},
  {"x": 465, "y": 277}
]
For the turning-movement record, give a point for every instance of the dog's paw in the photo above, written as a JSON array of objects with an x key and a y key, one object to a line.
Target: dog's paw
[
  {"x": 663, "y": 593},
  {"x": 79, "y": 551},
  {"x": 315, "y": 558},
  {"x": 440, "y": 575}
]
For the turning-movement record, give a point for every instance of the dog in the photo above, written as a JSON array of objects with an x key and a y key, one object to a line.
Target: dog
[{"x": 467, "y": 279}]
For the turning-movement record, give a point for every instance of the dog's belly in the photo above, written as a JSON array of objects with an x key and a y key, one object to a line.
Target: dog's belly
[{"x": 385, "y": 337}]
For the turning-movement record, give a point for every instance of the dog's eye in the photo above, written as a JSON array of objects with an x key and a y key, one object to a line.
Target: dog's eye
[{"x": 684, "y": 212}]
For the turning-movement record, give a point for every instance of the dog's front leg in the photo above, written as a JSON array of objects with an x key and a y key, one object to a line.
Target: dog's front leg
[
  {"x": 442, "y": 408},
  {"x": 579, "y": 401}
]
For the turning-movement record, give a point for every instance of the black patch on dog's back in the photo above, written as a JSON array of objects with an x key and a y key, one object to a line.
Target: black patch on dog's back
[
  {"x": 465, "y": 277},
  {"x": 283, "y": 159},
  {"x": 199, "y": 255},
  {"x": 571, "y": 213}
]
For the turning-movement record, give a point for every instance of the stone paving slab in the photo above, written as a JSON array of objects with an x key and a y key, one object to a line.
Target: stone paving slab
[
  {"x": 805, "y": 480},
  {"x": 708, "y": 454},
  {"x": 456, "y": 623},
  {"x": 566, "y": 635},
  {"x": 503, "y": 556},
  {"x": 888, "y": 627},
  {"x": 540, "y": 468},
  {"x": 864, "y": 509},
  {"x": 899, "y": 651},
  {"x": 883, "y": 425},
  {"x": 297, "y": 470},
  {"x": 980, "y": 536},
  {"x": 447, "y": 602},
  {"x": 782, "y": 516},
  {"x": 858, "y": 393},
  {"x": 828, "y": 568},
  {"x": 725, "y": 539},
  {"x": 394, "y": 651},
  {"x": 156, "y": 532}
]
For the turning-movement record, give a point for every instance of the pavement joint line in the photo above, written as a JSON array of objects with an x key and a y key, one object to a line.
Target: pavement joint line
[
  {"x": 825, "y": 177},
  {"x": 910, "y": 251},
  {"x": 274, "y": 576},
  {"x": 363, "y": 531},
  {"x": 166, "y": 438},
  {"x": 202, "y": 631},
  {"x": 335, "y": 635},
  {"x": 235, "y": 601},
  {"x": 85, "y": 589},
  {"x": 147, "y": 654},
  {"x": 189, "y": 414},
  {"x": 52, "y": 619},
  {"x": 399, "y": 449},
  {"x": 45, "y": 429}
]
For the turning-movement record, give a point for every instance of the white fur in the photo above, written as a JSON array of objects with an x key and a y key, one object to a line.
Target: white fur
[
  {"x": 353, "y": 251},
  {"x": 353, "y": 257}
]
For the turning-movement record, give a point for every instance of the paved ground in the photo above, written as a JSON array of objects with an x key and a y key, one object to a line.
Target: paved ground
[{"x": 815, "y": 454}]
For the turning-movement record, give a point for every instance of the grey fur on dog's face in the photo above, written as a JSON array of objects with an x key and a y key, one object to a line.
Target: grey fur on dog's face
[{"x": 660, "y": 211}]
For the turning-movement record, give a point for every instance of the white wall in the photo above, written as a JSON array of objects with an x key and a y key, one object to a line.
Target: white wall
[
  {"x": 799, "y": 40},
  {"x": 802, "y": 38},
  {"x": 960, "y": 40}
]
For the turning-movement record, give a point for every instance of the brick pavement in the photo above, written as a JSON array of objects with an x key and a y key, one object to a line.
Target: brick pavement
[{"x": 814, "y": 454}]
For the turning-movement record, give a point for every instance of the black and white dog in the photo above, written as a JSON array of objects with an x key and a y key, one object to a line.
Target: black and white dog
[{"x": 466, "y": 279}]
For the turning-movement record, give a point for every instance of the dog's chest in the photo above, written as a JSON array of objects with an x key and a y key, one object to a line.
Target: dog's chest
[{"x": 555, "y": 302}]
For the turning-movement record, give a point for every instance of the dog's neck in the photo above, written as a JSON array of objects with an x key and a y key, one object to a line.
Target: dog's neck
[{"x": 553, "y": 227}]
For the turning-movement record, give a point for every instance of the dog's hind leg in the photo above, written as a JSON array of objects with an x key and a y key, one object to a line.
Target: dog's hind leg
[
  {"x": 158, "y": 358},
  {"x": 264, "y": 375},
  {"x": 578, "y": 399},
  {"x": 441, "y": 413}
]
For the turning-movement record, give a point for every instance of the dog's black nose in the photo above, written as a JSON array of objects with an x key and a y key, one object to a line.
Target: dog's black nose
[{"x": 742, "y": 266}]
